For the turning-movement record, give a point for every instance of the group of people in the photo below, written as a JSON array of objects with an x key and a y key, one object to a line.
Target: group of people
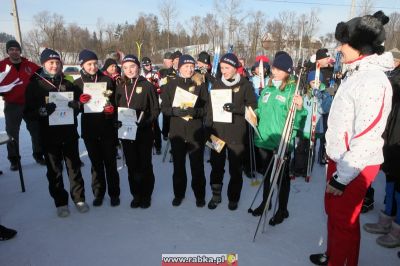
[{"x": 350, "y": 124}]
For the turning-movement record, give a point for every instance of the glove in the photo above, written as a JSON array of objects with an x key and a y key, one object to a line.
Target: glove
[
  {"x": 47, "y": 110},
  {"x": 177, "y": 111},
  {"x": 229, "y": 107},
  {"x": 118, "y": 124},
  {"x": 143, "y": 123},
  {"x": 84, "y": 98},
  {"x": 316, "y": 93},
  {"x": 107, "y": 93},
  {"x": 108, "y": 109},
  {"x": 76, "y": 105},
  {"x": 203, "y": 70}
]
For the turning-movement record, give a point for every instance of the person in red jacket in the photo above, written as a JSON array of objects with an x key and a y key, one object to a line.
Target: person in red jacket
[{"x": 14, "y": 102}]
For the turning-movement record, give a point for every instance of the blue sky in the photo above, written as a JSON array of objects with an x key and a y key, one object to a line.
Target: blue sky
[{"x": 86, "y": 12}]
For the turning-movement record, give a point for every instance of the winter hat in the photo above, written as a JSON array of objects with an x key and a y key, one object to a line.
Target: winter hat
[
  {"x": 257, "y": 64},
  {"x": 321, "y": 54},
  {"x": 49, "y": 54},
  {"x": 280, "y": 53},
  {"x": 230, "y": 59},
  {"x": 12, "y": 43},
  {"x": 176, "y": 54},
  {"x": 131, "y": 58},
  {"x": 262, "y": 57},
  {"x": 283, "y": 61},
  {"x": 168, "y": 55},
  {"x": 86, "y": 55},
  {"x": 311, "y": 76},
  {"x": 204, "y": 57},
  {"x": 186, "y": 59},
  {"x": 109, "y": 62},
  {"x": 365, "y": 34},
  {"x": 146, "y": 61}
]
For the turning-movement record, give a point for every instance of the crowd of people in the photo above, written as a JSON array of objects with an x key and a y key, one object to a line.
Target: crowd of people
[{"x": 356, "y": 123}]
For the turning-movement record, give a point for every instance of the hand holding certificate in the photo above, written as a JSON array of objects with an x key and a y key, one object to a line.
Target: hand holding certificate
[
  {"x": 98, "y": 99},
  {"x": 63, "y": 115},
  {"x": 184, "y": 99},
  {"x": 218, "y": 99}
]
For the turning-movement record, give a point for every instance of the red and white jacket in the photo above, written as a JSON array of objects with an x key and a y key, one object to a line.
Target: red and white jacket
[
  {"x": 26, "y": 70},
  {"x": 358, "y": 116}
]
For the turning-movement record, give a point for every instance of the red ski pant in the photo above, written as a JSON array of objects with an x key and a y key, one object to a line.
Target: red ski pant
[{"x": 343, "y": 212}]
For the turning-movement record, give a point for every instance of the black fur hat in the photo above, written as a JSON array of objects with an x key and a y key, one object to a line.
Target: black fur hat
[{"x": 365, "y": 34}]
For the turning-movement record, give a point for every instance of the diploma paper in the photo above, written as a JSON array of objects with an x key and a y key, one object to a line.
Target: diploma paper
[
  {"x": 184, "y": 99},
  {"x": 251, "y": 118},
  {"x": 218, "y": 99},
  {"x": 98, "y": 100},
  {"x": 128, "y": 119},
  {"x": 63, "y": 115}
]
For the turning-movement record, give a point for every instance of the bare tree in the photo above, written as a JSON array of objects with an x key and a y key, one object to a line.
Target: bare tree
[
  {"x": 366, "y": 7},
  {"x": 168, "y": 12},
  {"x": 393, "y": 31}
]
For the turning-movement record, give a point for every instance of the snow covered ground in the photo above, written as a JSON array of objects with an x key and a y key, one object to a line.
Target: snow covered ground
[{"x": 124, "y": 236}]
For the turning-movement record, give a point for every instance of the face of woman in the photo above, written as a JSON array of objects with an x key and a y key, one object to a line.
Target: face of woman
[
  {"x": 112, "y": 69},
  {"x": 131, "y": 70},
  {"x": 91, "y": 67},
  {"x": 278, "y": 74},
  {"x": 186, "y": 70},
  {"x": 52, "y": 66},
  {"x": 348, "y": 52},
  {"x": 228, "y": 71}
]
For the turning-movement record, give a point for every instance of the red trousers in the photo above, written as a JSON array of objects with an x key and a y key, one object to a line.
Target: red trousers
[{"x": 343, "y": 212}]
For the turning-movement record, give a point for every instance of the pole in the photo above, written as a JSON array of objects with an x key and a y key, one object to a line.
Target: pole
[
  {"x": 139, "y": 47},
  {"x": 353, "y": 4},
  {"x": 16, "y": 21}
]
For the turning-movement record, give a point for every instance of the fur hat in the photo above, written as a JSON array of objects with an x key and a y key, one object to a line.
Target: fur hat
[{"x": 365, "y": 34}]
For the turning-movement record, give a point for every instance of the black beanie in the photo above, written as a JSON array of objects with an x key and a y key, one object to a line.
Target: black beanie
[
  {"x": 204, "y": 57},
  {"x": 230, "y": 59},
  {"x": 12, "y": 43},
  {"x": 322, "y": 53},
  {"x": 131, "y": 58},
  {"x": 109, "y": 62},
  {"x": 176, "y": 54},
  {"x": 86, "y": 55},
  {"x": 49, "y": 54},
  {"x": 146, "y": 61},
  {"x": 168, "y": 55},
  {"x": 185, "y": 59},
  {"x": 284, "y": 62},
  {"x": 365, "y": 34}
]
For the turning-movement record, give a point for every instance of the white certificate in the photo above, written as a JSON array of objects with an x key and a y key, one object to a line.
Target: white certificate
[
  {"x": 184, "y": 99},
  {"x": 98, "y": 100},
  {"x": 128, "y": 119},
  {"x": 63, "y": 115},
  {"x": 218, "y": 99}
]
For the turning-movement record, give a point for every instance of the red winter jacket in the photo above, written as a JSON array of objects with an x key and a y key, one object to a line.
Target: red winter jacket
[{"x": 26, "y": 70}]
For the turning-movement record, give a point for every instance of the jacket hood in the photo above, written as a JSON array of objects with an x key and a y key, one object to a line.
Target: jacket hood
[{"x": 382, "y": 62}]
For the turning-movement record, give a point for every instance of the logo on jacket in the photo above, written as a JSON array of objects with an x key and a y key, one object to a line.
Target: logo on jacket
[
  {"x": 235, "y": 90},
  {"x": 191, "y": 89},
  {"x": 280, "y": 98},
  {"x": 139, "y": 90}
]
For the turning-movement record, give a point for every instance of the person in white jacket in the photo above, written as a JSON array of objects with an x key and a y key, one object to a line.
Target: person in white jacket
[{"x": 354, "y": 141}]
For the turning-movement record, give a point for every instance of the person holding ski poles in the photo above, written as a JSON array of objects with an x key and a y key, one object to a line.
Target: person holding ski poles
[
  {"x": 273, "y": 107},
  {"x": 186, "y": 129},
  {"x": 137, "y": 93},
  {"x": 354, "y": 140}
]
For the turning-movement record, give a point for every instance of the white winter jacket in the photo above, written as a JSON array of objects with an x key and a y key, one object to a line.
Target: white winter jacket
[{"x": 358, "y": 116}]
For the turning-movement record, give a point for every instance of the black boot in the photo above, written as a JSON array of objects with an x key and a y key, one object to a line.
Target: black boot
[
  {"x": 177, "y": 201},
  {"x": 135, "y": 203},
  {"x": 216, "y": 197},
  {"x": 233, "y": 205},
  {"x": 200, "y": 203},
  {"x": 260, "y": 209},
  {"x": 39, "y": 158},
  {"x": 279, "y": 216},
  {"x": 97, "y": 202},
  {"x": 6, "y": 233},
  {"x": 319, "y": 259},
  {"x": 14, "y": 163}
]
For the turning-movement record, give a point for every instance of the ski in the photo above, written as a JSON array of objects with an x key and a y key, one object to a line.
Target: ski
[
  {"x": 336, "y": 69},
  {"x": 261, "y": 75},
  {"x": 215, "y": 64}
]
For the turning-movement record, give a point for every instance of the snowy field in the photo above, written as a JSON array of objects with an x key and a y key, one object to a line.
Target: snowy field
[{"x": 124, "y": 236}]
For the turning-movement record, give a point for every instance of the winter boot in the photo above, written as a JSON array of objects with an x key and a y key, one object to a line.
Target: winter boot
[
  {"x": 14, "y": 163},
  {"x": 279, "y": 216},
  {"x": 63, "y": 211},
  {"x": 200, "y": 203},
  {"x": 97, "y": 202},
  {"x": 82, "y": 207},
  {"x": 392, "y": 239},
  {"x": 6, "y": 233},
  {"x": 319, "y": 259},
  {"x": 233, "y": 205},
  {"x": 115, "y": 201},
  {"x": 383, "y": 225},
  {"x": 177, "y": 201},
  {"x": 216, "y": 197},
  {"x": 39, "y": 158},
  {"x": 135, "y": 203}
]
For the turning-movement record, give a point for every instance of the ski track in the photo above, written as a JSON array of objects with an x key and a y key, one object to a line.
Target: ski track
[{"x": 125, "y": 236}]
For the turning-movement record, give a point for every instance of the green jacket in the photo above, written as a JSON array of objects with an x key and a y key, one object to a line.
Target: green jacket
[{"x": 273, "y": 107}]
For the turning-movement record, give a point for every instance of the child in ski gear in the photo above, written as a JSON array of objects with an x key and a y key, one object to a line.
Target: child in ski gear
[
  {"x": 135, "y": 92},
  {"x": 111, "y": 69},
  {"x": 60, "y": 142},
  {"x": 186, "y": 131},
  {"x": 273, "y": 107},
  {"x": 99, "y": 133},
  {"x": 234, "y": 134},
  {"x": 354, "y": 137}
]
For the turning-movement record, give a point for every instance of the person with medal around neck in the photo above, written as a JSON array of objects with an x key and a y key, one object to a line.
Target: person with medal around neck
[
  {"x": 136, "y": 93},
  {"x": 60, "y": 142}
]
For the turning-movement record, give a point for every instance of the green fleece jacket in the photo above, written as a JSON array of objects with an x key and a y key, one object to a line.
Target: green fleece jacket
[{"x": 273, "y": 108}]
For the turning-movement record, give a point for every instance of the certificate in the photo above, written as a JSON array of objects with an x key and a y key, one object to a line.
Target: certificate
[
  {"x": 63, "y": 115},
  {"x": 184, "y": 99},
  {"x": 218, "y": 99},
  {"x": 98, "y": 100},
  {"x": 128, "y": 119},
  {"x": 251, "y": 118}
]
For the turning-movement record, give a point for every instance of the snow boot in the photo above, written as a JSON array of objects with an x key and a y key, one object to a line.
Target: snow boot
[
  {"x": 279, "y": 216},
  {"x": 233, "y": 205},
  {"x": 177, "y": 201},
  {"x": 319, "y": 259},
  {"x": 39, "y": 158},
  {"x": 82, "y": 207},
  {"x": 6, "y": 233},
  {"x": 216, "y": 197},
  {"x": 392, "y": 239},
  {"x": 62, "y": 211},
  {"x": 97, "y": 202},
  {"x": 259, "y": 210},
  {"x": 200, "y": 203},
  {"x": 135, "y": 203},
  {"x": 383, "y": 225},
  {"x": 115, "y": 201}
]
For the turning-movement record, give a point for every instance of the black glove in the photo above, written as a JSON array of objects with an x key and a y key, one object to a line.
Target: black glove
[
  {"x": 229, "y": 107},
  {"x": 76, "y": 105},
  {"x": 118, "y": 124},
  {"x": 176, "y": 111},
  {"x": 47, "y": 110}
]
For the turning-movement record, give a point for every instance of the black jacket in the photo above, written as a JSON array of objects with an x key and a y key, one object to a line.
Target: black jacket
[
  {"x": 242, "y": 95},
  {"x": 144, "y": 99},
  {"x": 192, "y": 130},
  {"x": 35, "y": 96},
  {"x": 97, "y": 125}
]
